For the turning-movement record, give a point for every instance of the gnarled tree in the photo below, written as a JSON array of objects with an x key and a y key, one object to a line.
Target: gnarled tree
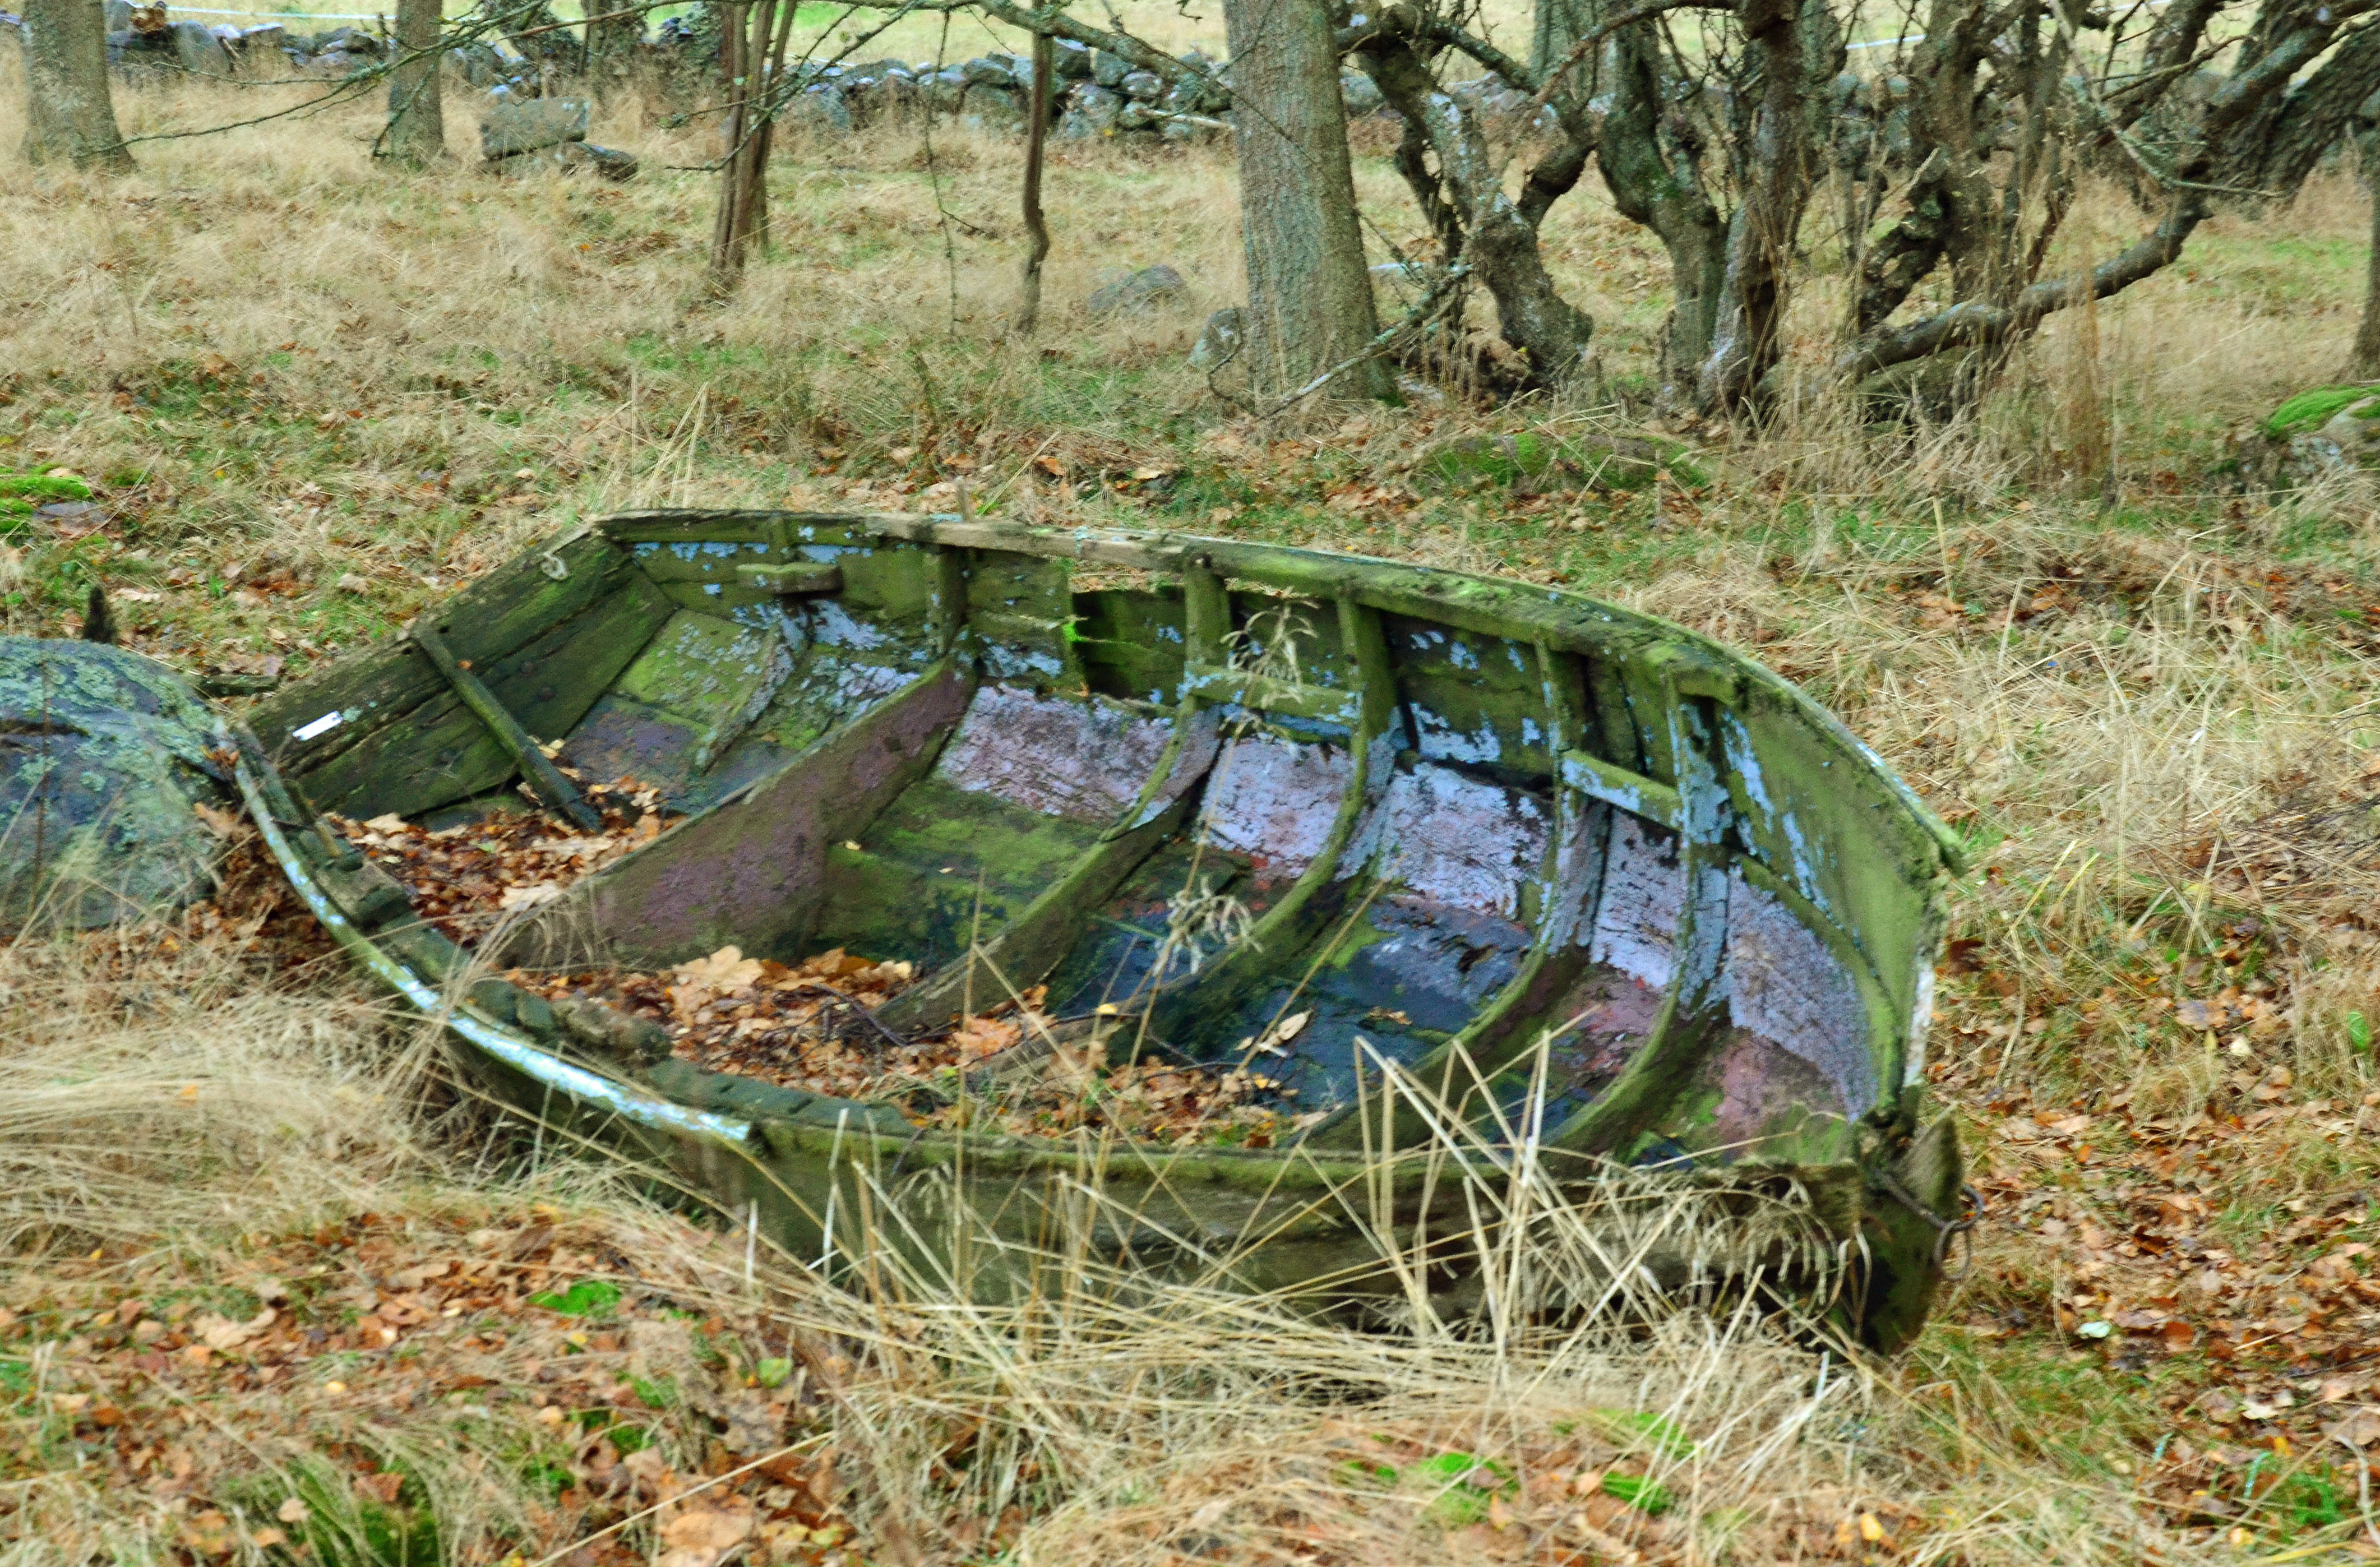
[{"x": 2003, "y": 106}]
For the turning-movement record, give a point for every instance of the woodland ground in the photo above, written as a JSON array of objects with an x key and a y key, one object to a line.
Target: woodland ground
[{"x": 268, "y": 1285}]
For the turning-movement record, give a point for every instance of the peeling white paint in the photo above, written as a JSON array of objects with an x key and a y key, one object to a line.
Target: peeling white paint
[
  {"x": 1784, "y": 983},
  {"x": 1003, "y": 663},
  {"x": 1643, "y": 899},
  {"x": 833, "y": 625},
  {"x": 1921, "y": 1020},
  {"x": 1085, "y": 761},
  {"x": 1452, "y": 838},
  {"x": 1276, "y": 799},
  {"x": 1439, "y": 740}
]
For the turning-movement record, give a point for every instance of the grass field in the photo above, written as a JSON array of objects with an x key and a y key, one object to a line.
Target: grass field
[{"x": 271, "y": 1284}]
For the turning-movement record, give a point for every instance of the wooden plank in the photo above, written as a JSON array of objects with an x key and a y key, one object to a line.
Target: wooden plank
[
  {"x": 492, "y": 617},
  {"x": 1286, "y": 930},
  {"x": 543, "y": 776},
  {"x": 750, "y": 870},
  {"x": 1630, "y": 791},
  {"x": 673, "y": 526},
  {"x": 792, "y": 577},
  {"x": 441, "y": 752}
]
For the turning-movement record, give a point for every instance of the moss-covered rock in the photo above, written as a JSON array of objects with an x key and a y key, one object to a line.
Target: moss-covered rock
[
  {"x": 104, "y": 757},
  {"x": 21, "y": 493},
  {"x": 2312, "y": 409},
  {"x": 1533, "y": 462},
  {"x": 2322, "y": 430}
]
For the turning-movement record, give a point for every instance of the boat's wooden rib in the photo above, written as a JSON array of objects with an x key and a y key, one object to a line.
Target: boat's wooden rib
[
  {"x": 1588, "y": 881},
  {"x": 1693, "y": 1015}
]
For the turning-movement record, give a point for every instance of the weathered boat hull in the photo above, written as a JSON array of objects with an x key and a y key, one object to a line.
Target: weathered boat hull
[{"x": 1588, "y": 888}]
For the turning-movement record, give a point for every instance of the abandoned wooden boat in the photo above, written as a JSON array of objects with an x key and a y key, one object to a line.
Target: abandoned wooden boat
[{"x": 1548, "y": 881}]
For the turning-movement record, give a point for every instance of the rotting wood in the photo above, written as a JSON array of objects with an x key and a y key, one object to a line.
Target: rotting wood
[{"x": 536, "y": 766}]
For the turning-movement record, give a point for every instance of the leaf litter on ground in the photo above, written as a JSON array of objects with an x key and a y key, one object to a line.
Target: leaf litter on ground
[{"x": 809, "y": 1025}]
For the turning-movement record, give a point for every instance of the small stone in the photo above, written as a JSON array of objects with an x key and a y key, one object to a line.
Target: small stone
[
  {"x": 199, "y": 51},
  {"x": 1133, "y": 293},
  {"x": 349, "y": 582},
  {"x": 1219, "y": 344},
  {"x": 609, "y": 162},
  {"x": 1146, "y": 86},
  {"x": 827, "y": 106},
  {"x": 990, "y": 72}
]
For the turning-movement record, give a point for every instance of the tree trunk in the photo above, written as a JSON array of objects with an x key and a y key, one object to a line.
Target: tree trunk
[
  {"x": 2366, "y": 366},
  {"x": 1773, "y": 188},
  {"x": 751, "y": 59},
  {"x": 611, "y": 44},
  {"x": 1653, "y": 181},
  {"x": 417, "y": 119},
  {"x": 772, "y": 23},
  {"x": 69, "y": 114},
  {"x": 1309, "y": 295},
  {"x": 732, "y": 229},
  {"x": 1037, "y": 225}
]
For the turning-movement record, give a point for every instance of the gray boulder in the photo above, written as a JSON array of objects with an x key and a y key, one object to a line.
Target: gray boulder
[
  {"x": 824, "y": 107},
  {"x": 530, "y": 125},
  {"x": 945, "y": 90},
  {"x": 1219, "y": 345},
  {"x": 199, "y": 51},
  {"x": 1109, "y": 71},
  {"x": 476, "y": 63},
  {"x": 105, "y": 755},
  {"x": 996, "y": 109},
  {"x": 1361, "y": 94},
  {"x": 1147, "y": 289},
  {"x": 1147, "y": 86},
  {"x": 991, "y": 71},
  {"x": 1072, "y": 60},
  {"x": 1092, "y": 114}
]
